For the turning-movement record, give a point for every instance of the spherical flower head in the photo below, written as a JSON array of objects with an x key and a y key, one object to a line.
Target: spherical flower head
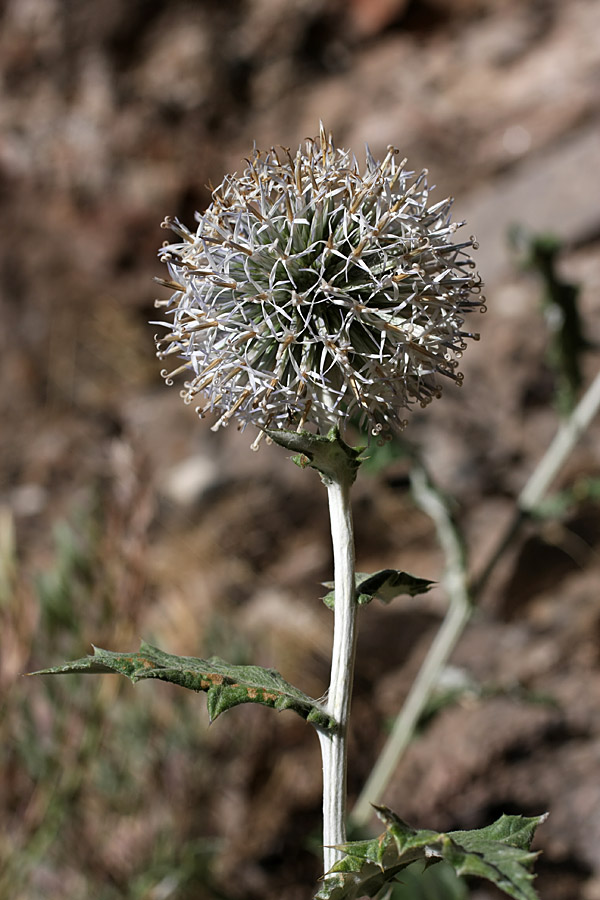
[{"x": 311, "y": 293}]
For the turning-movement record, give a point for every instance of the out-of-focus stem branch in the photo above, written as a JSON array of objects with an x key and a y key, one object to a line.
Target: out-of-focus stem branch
[
  {"x": 462, "y": 593},
  {"x": 455, "y": 581},
  {"x": 543, "y": 475}
]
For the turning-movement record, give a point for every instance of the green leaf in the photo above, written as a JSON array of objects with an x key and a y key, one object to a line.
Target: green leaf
[
  {"x": 226, "y": 686},
  {"x": 385, "y": 585},
  {"x": 516, "y": 831},
  {"x": 500, "y": 852},
  {"x": 329, "y": 454}
]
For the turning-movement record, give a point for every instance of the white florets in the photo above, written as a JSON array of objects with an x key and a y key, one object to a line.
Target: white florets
[{"x": 311, "y": 292}]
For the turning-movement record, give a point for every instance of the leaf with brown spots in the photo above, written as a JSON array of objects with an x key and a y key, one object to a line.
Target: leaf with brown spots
[{"x": 225, "y": 685}]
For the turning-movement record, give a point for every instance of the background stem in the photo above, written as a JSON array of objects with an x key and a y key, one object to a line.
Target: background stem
[
  {"x": 463, "y": 594},
  {"x": 459, "y": 612},
  {"x": 334, "y": 745}
]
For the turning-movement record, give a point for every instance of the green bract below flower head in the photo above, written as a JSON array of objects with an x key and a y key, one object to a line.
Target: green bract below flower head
[{"x": 311, "y": 292}]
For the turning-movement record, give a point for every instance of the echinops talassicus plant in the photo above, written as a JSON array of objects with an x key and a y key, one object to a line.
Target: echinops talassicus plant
[{"x": 313, "y": 294}]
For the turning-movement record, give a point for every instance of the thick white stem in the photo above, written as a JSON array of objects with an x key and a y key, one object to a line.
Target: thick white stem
[{"x": 333, "y": 745}]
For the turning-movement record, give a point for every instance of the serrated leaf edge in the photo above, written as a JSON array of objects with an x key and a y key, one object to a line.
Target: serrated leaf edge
[{"x": 197, "y": 676}]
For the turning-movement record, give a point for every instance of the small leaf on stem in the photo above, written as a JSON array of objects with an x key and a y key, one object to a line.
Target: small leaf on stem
[{"x": 385, "y": 585}]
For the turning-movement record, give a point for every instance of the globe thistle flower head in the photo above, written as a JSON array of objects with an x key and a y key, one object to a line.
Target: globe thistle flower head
[{"x": 311, "y": 292}]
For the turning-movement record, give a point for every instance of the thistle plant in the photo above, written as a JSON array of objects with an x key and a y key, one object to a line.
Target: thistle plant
[{"x": 313, "y": 295}]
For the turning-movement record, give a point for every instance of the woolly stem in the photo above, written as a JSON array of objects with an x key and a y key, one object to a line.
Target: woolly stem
[{"x": 334, "y": 745}]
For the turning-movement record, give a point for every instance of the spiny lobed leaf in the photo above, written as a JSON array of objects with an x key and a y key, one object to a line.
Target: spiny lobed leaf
[
  {"x": 500, "y": 852},
  {"x": 225, "y": 685},
  {"x": 385, "y": 585}
]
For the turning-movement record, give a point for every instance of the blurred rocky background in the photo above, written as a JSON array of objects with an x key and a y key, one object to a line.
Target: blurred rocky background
[{"x": 123, "y": 517}]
